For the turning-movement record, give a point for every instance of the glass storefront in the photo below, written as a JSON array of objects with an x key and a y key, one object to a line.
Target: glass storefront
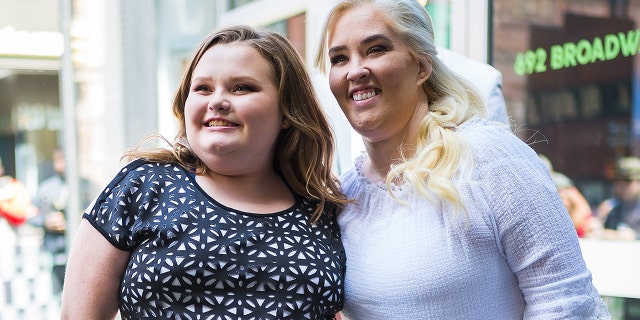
[
  {"x": 570, "y": 71},
  {"x": 30, "y": 113},
  {"x": 237, "y": 3},
  {"x": 571, "y": 82}
]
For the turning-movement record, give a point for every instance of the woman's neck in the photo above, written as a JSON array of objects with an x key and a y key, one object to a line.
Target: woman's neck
[
  {"x": 382, "y": 154},
  {"x": 385, "y": 152}
]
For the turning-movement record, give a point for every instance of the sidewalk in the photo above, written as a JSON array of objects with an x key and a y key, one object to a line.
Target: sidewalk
[{"x": 25, "y": 276}]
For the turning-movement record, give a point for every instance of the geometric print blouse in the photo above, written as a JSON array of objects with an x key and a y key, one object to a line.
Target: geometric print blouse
[{"x": 194, "y": 258}]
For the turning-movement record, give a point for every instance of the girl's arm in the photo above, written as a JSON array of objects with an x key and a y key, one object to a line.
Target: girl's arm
[{"x": 94, "y": 272}]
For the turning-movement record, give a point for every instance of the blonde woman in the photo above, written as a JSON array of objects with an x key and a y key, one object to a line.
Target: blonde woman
[{"x": 454, "y": 216}]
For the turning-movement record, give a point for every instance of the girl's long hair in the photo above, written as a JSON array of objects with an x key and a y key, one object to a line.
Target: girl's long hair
[{"x": 303, "y": 152}]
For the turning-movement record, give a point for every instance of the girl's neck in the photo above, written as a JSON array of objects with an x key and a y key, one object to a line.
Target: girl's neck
[{"x": 251, "y": 193}]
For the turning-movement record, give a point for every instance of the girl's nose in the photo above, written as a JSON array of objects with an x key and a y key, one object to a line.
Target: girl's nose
[{"x": 218, "y": 103}]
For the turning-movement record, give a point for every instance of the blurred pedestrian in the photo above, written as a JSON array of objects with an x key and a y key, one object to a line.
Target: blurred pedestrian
[
  {"x": 51, "y": 199},
  {"x": 574, "y": 201},
  {"x": 15, "y": 201},
  {"x": 621, "y": 212},
  {"x": 486, "y": 78}
]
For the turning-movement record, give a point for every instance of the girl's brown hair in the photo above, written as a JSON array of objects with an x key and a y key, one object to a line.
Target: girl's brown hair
[{"x": 304, "y": 151}]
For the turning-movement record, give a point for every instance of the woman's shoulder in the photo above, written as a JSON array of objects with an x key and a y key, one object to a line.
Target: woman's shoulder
[
  {"x": 353, "y": 179},
  {"x": 494, "y": 143},
  {"x": 483, "y": 134},
  {"x": 484, "y": 127}
]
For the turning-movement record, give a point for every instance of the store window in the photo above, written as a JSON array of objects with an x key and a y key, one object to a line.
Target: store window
[
  {"x": 231, "y": 4},
  {"x": 440, "y": 11},
  {"x": 570, "y": 70},
  {"x": 293, "y": 28}
]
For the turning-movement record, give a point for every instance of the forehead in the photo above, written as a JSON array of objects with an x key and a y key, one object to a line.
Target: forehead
[
  {"x": 359, "y": 21},
  {"x": 236, "y": 57},
  {"x": 239, "y": 51}
]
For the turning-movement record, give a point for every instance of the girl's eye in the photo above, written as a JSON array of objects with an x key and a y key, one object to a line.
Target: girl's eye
[
  {"x": 201, "y": 88},
  {"x": 243, "y": 88},
  {"x": 337, "y": 59}
]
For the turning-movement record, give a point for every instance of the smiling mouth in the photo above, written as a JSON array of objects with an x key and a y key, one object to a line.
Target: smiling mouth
[
  {"x": 363, "y": 95},
  {"x": 221, "y": 123}
]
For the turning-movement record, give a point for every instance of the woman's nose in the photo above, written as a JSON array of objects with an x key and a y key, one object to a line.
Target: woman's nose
[{"x": 357, "y": 72}]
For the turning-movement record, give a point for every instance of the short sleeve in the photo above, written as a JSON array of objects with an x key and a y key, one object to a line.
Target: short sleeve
[{"x": 122, "y": 204}]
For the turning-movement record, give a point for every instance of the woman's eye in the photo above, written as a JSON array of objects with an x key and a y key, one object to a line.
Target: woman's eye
[
  {"x": 337, "y": 59},
  {"x": 377, "y": 49}
]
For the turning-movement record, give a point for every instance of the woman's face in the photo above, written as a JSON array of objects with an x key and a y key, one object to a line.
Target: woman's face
[
  {"x": 374, "y": 78},
  {"x": 232, "y": 118}
]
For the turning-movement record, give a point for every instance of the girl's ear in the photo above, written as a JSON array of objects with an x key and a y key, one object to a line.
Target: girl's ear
[{"x": 285, "y": 124}]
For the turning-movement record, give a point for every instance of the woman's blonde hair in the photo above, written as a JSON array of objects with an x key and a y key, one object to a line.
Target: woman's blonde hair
[
  {"x": 304, "y": 151},
  {"x": 452, "y": 100}
]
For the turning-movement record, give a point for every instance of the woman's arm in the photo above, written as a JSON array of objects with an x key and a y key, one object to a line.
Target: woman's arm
[
  {"x": 94, "y": 272},
  {"x": 534, "y": 231}
]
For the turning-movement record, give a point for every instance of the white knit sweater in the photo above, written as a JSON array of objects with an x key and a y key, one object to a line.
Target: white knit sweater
[{"x": 516, "y": 257}]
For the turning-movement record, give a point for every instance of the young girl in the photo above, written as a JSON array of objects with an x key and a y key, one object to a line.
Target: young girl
[{"x": 237, "y": 219}]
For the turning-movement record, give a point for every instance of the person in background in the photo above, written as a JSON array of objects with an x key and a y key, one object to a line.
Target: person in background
[
  {"x": 237, "y": 218},
  {"x": 486, "y": 78},
  {"x": 15, "y": 202},
  {"x": 448, "y": 221},
  {"x": 621, "y": 213},
  {"x": 51, "y": 200},
  {"x": 577, "y": 205}
]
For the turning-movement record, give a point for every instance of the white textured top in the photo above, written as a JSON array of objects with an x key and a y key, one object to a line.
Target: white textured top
[{"x": 516, "y": 257}]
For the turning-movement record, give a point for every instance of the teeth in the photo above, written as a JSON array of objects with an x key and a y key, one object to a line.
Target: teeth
[
  {"x": 363, "y": 95},
  {"x": 220, "y": 123}
]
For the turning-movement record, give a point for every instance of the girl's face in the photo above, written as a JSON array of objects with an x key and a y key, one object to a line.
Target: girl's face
[
  {"x": 374, "y": 78},
  {"x": 232, "y": 118}
]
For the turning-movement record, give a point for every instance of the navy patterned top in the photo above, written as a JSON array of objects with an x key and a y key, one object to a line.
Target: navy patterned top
[{"x": 194, "y": 258}]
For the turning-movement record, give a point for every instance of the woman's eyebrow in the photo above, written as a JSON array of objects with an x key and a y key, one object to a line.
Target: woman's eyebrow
[{"x": 367, "y": 40}]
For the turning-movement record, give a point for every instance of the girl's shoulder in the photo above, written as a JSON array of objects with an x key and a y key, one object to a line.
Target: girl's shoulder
[
  {"x": 151, "y": 174},
  {"x": 140, "y": 168}
]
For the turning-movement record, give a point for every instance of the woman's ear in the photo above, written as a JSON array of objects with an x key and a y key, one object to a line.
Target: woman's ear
[
  {"x": 285, "y": 124},
  {"x": 425, "y": 66}
]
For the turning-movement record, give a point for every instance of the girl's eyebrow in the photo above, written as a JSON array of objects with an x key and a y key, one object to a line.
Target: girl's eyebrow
[
  {"x": 365, "y": 41},
  {"x": 233, "y": 78},
  {"x": 201, "y": 78}
]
